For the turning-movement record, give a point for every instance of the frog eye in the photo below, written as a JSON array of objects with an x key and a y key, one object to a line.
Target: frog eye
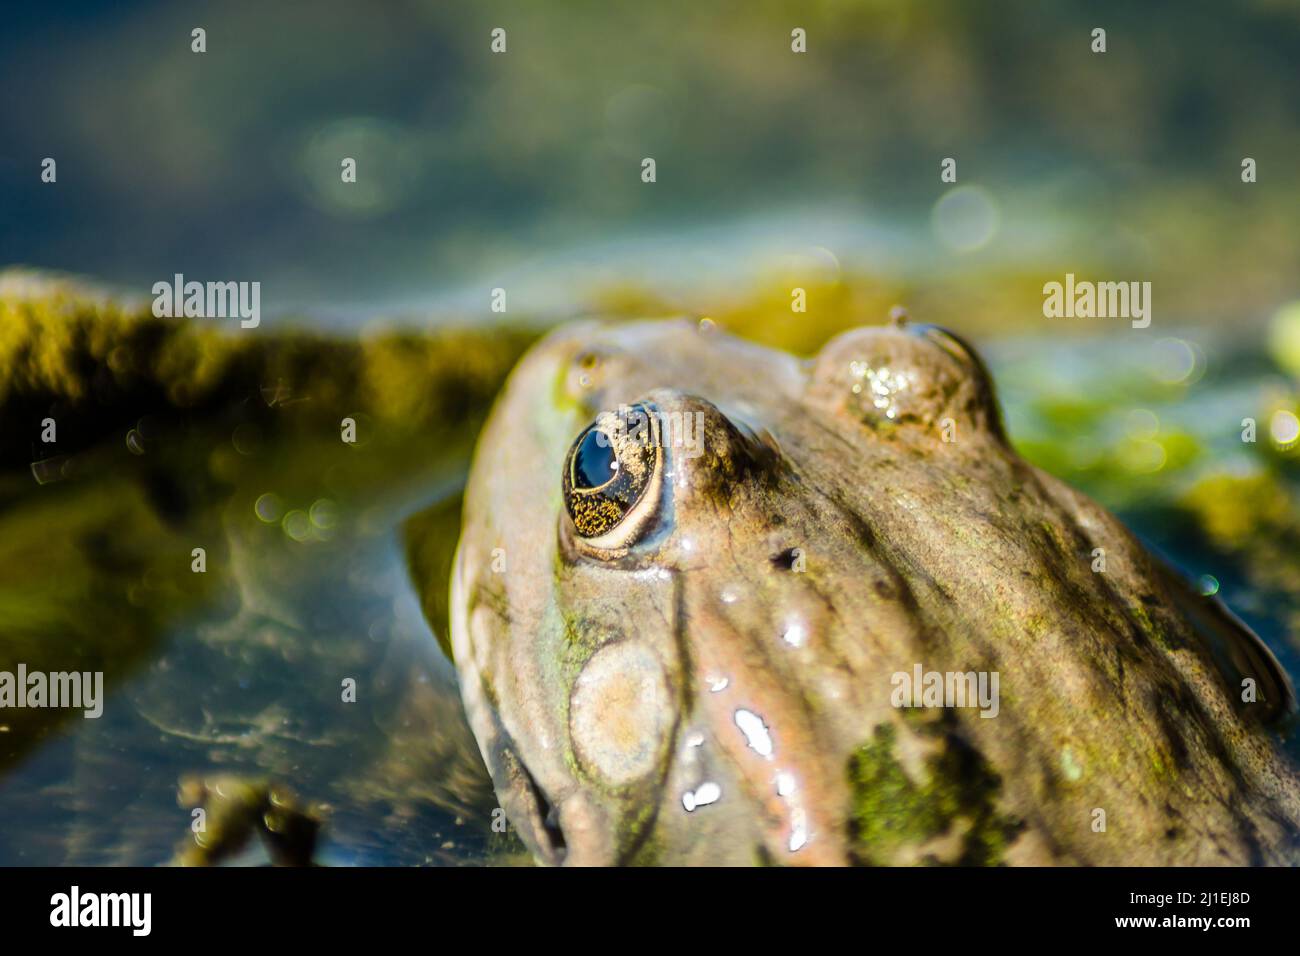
[{"x": 612, "y": 476}]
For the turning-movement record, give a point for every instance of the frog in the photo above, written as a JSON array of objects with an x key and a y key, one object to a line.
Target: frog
[{"x": 711, "y": 600}]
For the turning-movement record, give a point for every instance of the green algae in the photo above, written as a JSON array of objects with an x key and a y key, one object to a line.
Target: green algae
[
  {"x": 891, "y": 811},
  {"x": 104, "y": 366}
]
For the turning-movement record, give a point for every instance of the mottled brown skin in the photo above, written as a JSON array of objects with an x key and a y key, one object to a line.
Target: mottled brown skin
[{"x": 827, "y": 538}]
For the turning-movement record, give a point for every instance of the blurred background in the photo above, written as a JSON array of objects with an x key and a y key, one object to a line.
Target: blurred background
[{"x": 522, "y": 171}]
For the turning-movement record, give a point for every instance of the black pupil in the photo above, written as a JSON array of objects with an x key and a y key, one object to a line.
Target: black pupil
[{"x": 593, "y": 465}]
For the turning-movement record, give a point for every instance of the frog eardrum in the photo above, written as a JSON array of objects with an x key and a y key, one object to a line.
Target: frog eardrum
[{"x": 612, "y": 477}]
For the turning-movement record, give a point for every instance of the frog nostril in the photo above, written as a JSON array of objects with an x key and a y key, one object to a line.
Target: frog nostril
[{"x": 786, "y": 559}]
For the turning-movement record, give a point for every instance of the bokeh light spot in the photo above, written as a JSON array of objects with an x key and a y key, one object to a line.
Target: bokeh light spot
[
  {"x": 966, "y": 218},
  {"x": 1284, "y": 428},
  {"x": 1143, "y": 424},
  {"x": 1175, "y": 362},
  {"x": 1284, "y": 337},
  {"x": 269, "y": 508},
  {"x": 297, "y": 525}
]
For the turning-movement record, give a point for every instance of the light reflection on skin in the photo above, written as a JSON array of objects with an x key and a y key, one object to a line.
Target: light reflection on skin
[
  {"x": 788, "y": 789},
  {"x": 760, "y": 741},
  {"x": 706, "y": 793},
  {"x": 755, "y": 731}
]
